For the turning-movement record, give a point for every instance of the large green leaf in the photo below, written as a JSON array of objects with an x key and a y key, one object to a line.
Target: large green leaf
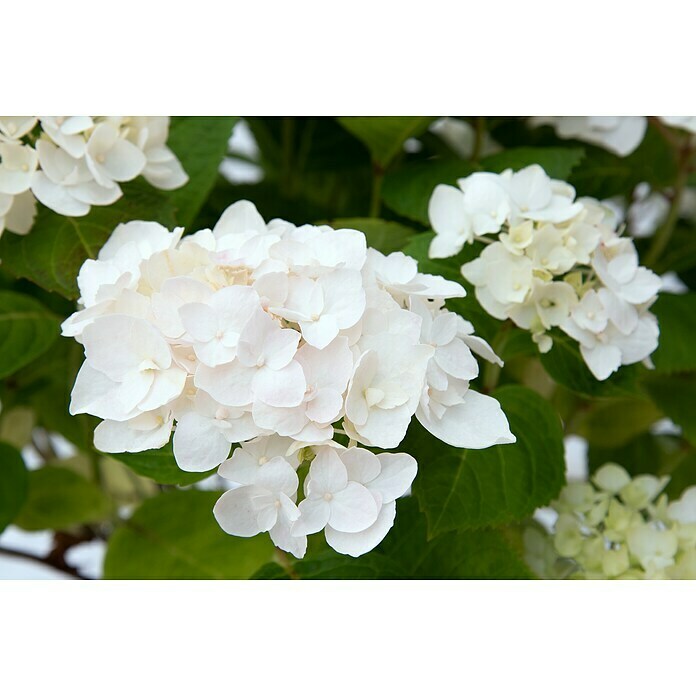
[
  {"x": 383, "y": 235},
  {"x": 565, "y": 364},
  {"x": 175, "y": 536},
  {"x": 159, "y": 465},
  {"x": 677, "y": 317},
  {"x": 60, "y": 498},
  {"x": 406, "y": 553},
  {"x": 384, "y": 136},
  {"x": 407, "y": 190},
  {"x": 465, "y": 489},
  {"x": 27, "y": 330},
  {"x": 200, "y": 143},
  {"x": 602, "y": 174},
  {"x": 468, "y": 554},
  {"x": 557, "y": 162},
  {"x": 13, "y": 484},
  {"x": 53, "y": 252}
]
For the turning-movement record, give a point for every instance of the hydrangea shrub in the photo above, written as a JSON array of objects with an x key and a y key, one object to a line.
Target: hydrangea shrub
[{"x": 364, "y": 364}]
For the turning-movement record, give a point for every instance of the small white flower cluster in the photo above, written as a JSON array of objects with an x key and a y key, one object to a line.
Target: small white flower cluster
[
  {"x": 618, "y": 134},
  {"x": 75, "y": 162},
  {"x": 623, "y": 528},
  {"x": 277, "y": 332},
  {"x": 557, "y": 262}
]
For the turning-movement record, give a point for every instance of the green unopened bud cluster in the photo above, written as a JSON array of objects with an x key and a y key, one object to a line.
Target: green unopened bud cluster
[{"x": 617, "y": 527}]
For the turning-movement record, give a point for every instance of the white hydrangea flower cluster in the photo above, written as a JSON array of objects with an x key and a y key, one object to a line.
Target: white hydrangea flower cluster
[
  {"x": 557, "y": 262},
  {"x": 70, "y": 163},
  {"x": 270, "y": 335},
  {"x": 618, "y": 134},
  {"x": 618, "y": 527}
]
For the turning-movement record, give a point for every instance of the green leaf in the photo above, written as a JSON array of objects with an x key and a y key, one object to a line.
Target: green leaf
[
  {"x": 200, "y": 143},
  {"x": 406, "y": 553},
  {"x": 615, "y": 422},
  {"x": 470, "y": 554},
  {"x": 57, "y": 246},
  {"x": 677, "y": 317},
  {"x": 60, "y": 498},
  {"x": 383, "y": 235},
  {"x": 565, "y": 364},
  {"x": 175, "y": 536},
  {"x": 602, "y": 174},
  {"x": 159, "y": 465},
  {"x": 407, "y": 190},
  {"x": 384, "y": 136},
  {"x": 676, "y": 397},
  {"x": 557, "y": 162},
  {"x": 27, "y": 330},
  {"x": 13, "y": 484},
  {"x": 465, "y": 489}
]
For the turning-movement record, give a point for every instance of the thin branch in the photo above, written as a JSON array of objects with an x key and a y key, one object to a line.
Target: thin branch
[{"x": 47, "y": 561}]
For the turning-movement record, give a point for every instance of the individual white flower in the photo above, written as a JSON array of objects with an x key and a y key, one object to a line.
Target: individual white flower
[
  {"x": 326, "y": 374},
  {"x": 611, "y": 478},
  {"x": 214, "y": 326},
  {"x": 450, "y": 222},
  {"x": 266, "y": 506},
  {"x": 204, "y": 433},
  {"x": 387, "y": 477},
  {"x": 684, "y": 509},
  {"x": 647, "y": 211},
  {"x": 486, "y": 201},
  {"x": 604, "y": 352},
  {"x": 324, "y": 306},
  {"x": 448, "y": 408},
  {"x": 687, "y": 123},
  {"x": 654, "y": 548},
  {"x": 17, "y": 166},
  {"x": 119, "y": 259},
  {"x": 149, "y": 430},
  {"x": 17, "y": 213},
  {"x": 548, "y": 305},
  {"x": 617, "y": 267},
  {"x": 162, "y": 168},
  {"x": 618, "y": 134},
  {"x": 13, "y": 128},
  {"x": 642, "y": 490},
  {"x": 111, "y": 158},
  {"x": 264, "y": 368},
  {"x": 334, "y": 500},
  {"x": 535, "y": 196},
  {"x": 385, "y": 388},
  {"x": 506, "y": 276},
  {"x": 139, "y": 377},
  {"x": 398, "y": 275},
  {"x": 65, "y": 183},
  {"x": 247, "y": 459},
  {"x": 67, "y": 132}
]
